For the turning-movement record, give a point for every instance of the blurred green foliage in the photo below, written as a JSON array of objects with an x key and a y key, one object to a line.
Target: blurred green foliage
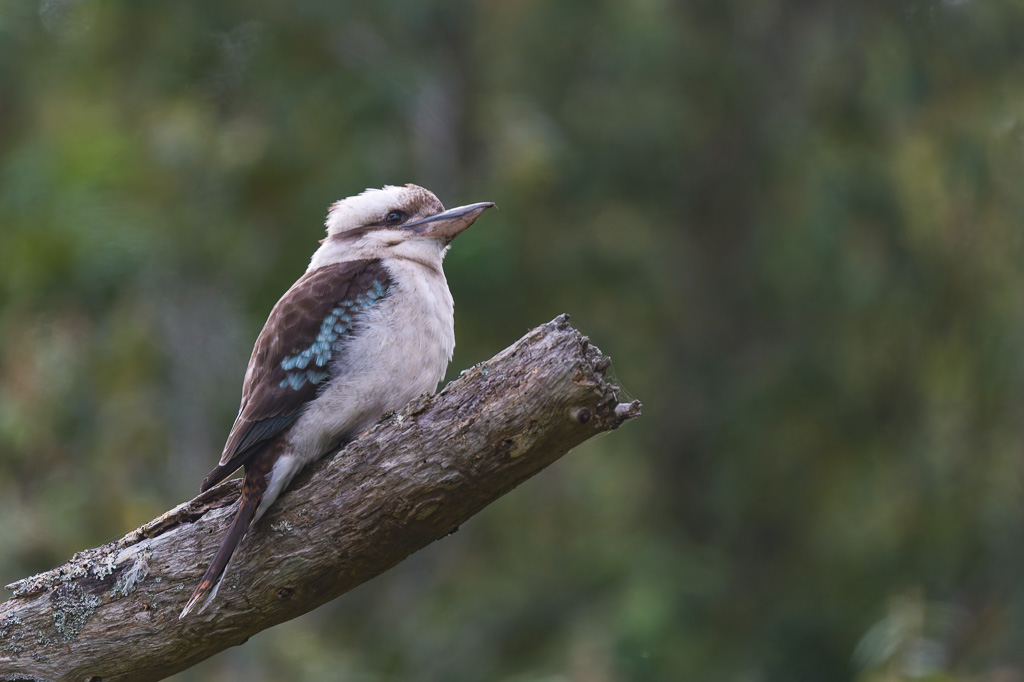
[{"x": 795, "y": 226}]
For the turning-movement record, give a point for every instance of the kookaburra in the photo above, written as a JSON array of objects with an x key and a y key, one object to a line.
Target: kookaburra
[{"x": 366, "y": 329}]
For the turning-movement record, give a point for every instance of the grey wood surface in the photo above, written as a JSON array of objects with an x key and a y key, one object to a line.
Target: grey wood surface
[{"x": 111, "y": 613}]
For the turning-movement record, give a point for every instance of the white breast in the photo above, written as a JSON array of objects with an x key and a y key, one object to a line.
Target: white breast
[{"x": 402, "y": 352}]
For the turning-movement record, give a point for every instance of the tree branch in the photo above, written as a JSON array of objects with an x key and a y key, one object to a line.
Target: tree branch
[{"x": 111, "y": 613}]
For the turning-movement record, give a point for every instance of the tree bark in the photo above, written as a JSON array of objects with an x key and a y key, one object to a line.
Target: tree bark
[{"x": 111, "y": 613}]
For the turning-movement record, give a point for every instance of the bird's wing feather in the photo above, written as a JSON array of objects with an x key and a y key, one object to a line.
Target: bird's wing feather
[{"x": 306, "y": 330}]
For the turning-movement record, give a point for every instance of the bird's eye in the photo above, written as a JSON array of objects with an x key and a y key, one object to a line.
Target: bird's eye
[{"x": 394, "y": 218}]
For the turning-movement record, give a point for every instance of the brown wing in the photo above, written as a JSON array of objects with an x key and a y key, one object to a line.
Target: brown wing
[{"x": 306, "y": 332}]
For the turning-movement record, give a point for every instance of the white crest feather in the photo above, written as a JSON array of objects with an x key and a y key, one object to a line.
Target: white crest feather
[{"x": 366, "y": 207}]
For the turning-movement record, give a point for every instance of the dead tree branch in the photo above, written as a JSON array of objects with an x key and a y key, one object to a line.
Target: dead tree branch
[{"x": 111, "y": 613}]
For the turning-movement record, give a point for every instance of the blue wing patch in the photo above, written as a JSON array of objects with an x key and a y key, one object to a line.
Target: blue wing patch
[{"x": 310, "y": 364}]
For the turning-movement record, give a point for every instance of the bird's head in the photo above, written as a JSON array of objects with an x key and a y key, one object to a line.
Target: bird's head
[{"x": 393, "y": 222}]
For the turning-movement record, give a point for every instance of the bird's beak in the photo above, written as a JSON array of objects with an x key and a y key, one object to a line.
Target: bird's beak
[{"x": 447, "y": 224}]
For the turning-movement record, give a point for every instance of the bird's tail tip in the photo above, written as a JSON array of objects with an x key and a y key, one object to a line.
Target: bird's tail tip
[
  {"x": 201, "y": 592},
  {"x": 204, "y": 593}
]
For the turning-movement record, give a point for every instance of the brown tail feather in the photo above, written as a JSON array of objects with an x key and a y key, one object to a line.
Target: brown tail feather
[{"x": 253, "y": 485}]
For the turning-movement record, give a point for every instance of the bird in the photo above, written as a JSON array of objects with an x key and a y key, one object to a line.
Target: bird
[{"x": 367, "y": 328}]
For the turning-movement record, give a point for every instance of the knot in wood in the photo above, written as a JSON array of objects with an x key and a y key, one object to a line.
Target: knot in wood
[{"x": 581, "y": 414}]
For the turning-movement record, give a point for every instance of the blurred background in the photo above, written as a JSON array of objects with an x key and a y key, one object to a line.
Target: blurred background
[{"x": 796, "y": 227}]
